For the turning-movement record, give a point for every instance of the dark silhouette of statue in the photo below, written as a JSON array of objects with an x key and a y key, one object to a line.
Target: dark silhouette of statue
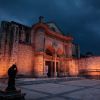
[{"x": 12, "y": 71}]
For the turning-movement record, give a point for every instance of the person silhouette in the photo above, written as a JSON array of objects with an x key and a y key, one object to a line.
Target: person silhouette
[{"x": 12, "y": 71}]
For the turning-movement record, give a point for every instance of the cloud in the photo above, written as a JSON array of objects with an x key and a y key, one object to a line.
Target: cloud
[{"x": 79, "y": 17}]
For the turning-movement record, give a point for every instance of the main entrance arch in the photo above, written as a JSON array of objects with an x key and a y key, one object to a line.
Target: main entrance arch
[{"x": 50, "y": 69}]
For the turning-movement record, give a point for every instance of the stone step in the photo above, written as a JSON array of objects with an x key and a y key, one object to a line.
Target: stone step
[{"x": 47, "y": 80}]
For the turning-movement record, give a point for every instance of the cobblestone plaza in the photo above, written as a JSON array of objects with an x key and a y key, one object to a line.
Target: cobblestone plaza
[{"x": 58, "y": 89}]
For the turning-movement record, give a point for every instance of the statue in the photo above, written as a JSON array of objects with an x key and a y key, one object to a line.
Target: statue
[
  {"x": 12, "y": 71},
  {"x": 11, "y": 93}
]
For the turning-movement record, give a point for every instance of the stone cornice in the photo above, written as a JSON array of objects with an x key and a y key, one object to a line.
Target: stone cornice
[{"x": 51, "y": 33}]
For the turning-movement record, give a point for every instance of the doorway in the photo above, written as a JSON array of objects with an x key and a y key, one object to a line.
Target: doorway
[{"x": 50, "y": 68}]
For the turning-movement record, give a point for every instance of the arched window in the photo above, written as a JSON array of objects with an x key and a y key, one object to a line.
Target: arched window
[{"x": 48, "y": 52}]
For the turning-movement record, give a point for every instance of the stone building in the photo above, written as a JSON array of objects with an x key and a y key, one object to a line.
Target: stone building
[{"x": 41, "y": 50}]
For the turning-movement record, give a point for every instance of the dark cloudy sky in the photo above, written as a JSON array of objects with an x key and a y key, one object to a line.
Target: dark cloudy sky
[{"x": 79, "y": 17}]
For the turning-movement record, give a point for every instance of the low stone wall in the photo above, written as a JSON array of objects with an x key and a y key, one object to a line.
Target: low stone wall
[{"x": 89, "y": 66}]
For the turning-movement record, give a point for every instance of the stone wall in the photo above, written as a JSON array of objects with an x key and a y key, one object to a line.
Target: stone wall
[
  {"x": 73, "y": 67},
  {"x": 89, "y": 66},
  {"x": 39, "y": 41},
  {"x": 25, "y": 59},
  {"x": 89, "y": 63},
  {"x": 4, "y": 65}
]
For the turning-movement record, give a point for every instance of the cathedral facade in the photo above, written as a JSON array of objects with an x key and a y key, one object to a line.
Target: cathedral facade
[{"x": 41, "y": 50}]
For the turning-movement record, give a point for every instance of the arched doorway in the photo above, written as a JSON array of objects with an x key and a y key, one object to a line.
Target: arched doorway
[{"x": 50, "y": 64}]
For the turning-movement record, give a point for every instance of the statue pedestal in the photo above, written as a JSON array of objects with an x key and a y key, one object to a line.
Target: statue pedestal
[{"x": 12, "y": 95}]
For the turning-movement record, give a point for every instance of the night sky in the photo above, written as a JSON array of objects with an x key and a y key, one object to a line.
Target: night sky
[{"x": 81, "y": 18}]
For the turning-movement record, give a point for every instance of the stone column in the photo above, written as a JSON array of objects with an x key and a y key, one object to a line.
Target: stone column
[{"x": 38, "y": 65}]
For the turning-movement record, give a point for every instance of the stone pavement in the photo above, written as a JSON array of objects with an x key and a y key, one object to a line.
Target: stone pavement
[{"x": 59, "y": 89}]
